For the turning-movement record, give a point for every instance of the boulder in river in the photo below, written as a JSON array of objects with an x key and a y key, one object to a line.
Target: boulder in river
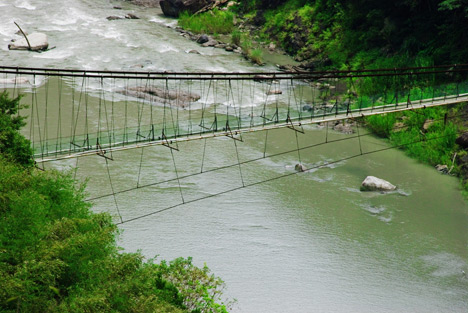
[
  {"x": 372, "y": 183},
  {"x": 442, "y": 168},
  {"x": 174, "y": 7},
  {"x": 37, "y": 42},
  {"x": 300, "y": 167},
  {"x": 162, "y": 95},
  {"x": 202, "y": 39},
  {"x": 210, "y": 43}
]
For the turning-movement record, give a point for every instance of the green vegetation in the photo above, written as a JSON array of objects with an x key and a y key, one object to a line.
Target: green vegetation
[
  {"x": 427, "y": 134},
  {"x": 58, "y": 256},
  {"x": 13, "y": 146},
  {"x": 217, "y": 22},
  {"x": 236, "y": 37},
  {"x": 362, "y": 33},
  {"x": 212, "y": 22}
]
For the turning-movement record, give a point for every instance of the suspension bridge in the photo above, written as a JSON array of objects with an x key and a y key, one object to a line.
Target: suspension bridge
[{"x": 73, "y": 113}]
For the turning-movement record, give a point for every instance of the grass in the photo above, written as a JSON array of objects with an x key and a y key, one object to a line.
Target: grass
[{"x": 212, "y": 22}]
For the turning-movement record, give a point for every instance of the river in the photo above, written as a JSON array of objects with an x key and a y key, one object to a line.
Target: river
[{"x": 310, "y": 242}]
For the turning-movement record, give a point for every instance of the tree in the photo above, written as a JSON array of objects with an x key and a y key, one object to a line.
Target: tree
[{"x": 13, "y": 146}]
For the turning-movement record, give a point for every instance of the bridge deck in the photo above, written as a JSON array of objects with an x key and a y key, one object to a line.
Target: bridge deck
[{"x": 293, "y": 123}]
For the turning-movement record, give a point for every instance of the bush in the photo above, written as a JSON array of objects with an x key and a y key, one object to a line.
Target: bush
[
  {"x": 256, "y": 56},
  {"x": 236, "y": 37}
]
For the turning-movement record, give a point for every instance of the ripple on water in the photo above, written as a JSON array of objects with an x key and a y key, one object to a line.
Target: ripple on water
[
  {"x": 445, "y": 264},
  {"x": 380, "y": 212},
  {"x": 55, "y": 54},
  {"x": 24, "y": 5}
]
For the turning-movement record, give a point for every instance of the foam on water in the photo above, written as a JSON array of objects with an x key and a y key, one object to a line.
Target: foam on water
[
  {"x": 54, "y": 54},
  {"x": 23, "y": 4}
]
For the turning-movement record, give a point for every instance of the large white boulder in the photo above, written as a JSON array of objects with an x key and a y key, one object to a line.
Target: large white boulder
[
  {"x": 38, "y": 42},
  {"x": 372, "y": 183}
]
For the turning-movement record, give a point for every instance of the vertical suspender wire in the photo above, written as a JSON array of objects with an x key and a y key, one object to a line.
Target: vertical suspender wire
[
  {"x": 266, "y": 140},
  {"x": 45, "y": 148},
  {"x": 76, "y": 169},
  {"x": 214, "y": 126},
  {"x": 78, "y": 110},
  {"x": 240, "y": 101},
  {"x": 179, "y": 104},
  {"x": 112, "y": 134},
  {"x": 359, "y": 137},
  {"x": 295, "y": 97},
  {"x": 58, "y": 143},
  {"x": 109, "y": 138},
  {"x": 313, "y": 91},
  {"x": 31, "y": 126},
  {"x": 252, "y": 98},
  {"x": 72, "y": 125},
  {"x": 86, "y": 114},
  {"x": 164, "y": 131},
  {"x": 228, "y": 103},
  {"x": 38, "y": 119},
  {"x": 238, "y": 116},
  {"x": 172, "y": 113},
  {"x": 301, "y": 99},
  {"x": 98, "y": 135},
  {"x": 189, "y": 124},
  {"x": 202, "y": 120},
  {"x": 125, "y": 134},
  {"x": 112, "y": 189},
  {"x": 290, "y": 87},
  {"x": 326, "y": 133},
  {"x": 298, "y": 149},
  {"x": 140, "y": 111},
  {"x": 151, "y": 116}
]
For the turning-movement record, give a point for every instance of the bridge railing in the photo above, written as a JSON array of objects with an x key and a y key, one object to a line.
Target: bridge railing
[{"x": 76, "y": 112}]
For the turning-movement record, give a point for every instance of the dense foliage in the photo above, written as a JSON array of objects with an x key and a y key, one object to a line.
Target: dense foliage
[
  {"x": 213, "y": 22},
  {"x": 13, "y": 146},
  {"x": 359, "y": 33},
  {"x": 58, "y": 256}
]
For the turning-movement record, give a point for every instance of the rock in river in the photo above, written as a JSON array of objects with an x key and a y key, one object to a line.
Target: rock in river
[
  {"x": 38, "y": 42},
  {"x": 162, "y": 96},
  {"x": 372, "y": 183}
]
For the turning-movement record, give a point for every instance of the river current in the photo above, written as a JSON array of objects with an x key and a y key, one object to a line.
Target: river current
[{"x": 310, "y": 242}]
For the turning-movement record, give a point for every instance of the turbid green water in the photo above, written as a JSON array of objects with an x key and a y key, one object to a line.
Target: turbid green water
[{"x": 308, "y": 242}]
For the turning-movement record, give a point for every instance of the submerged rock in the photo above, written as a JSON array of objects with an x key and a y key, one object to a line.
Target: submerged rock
[
  {"x": 38, "y": 42},
  {"x": 162, "y": 96},
  {"x": 274, "y": 92},
  {"x": 343, "y": 128},
  {"x": 113, "y": 18},
  {"x": 442, "y": 168},
  {"x": 203, "y": 38},
  {"x": 372, "y": 183},
  {"x": 300, "y": 167}
]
